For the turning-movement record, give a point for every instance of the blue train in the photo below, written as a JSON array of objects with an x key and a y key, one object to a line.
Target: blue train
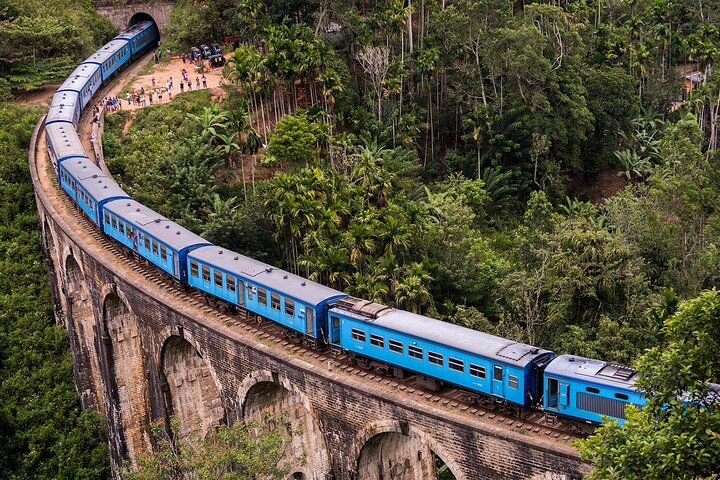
[{"x": 375, "y": 335}]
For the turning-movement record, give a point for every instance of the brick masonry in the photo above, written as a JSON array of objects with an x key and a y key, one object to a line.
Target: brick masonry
[
  {"x": 122, "y": 16},
  {"x": 141, "y": 355}
]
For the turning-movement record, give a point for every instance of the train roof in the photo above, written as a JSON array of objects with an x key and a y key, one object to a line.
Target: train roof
[
  {"x": 159, "y": 227},
  {"x": 444, "y": 333},
  {"x": 98, "y": 185},
  {"x": 66, "y": 98},
  {"x": 79, "y": 77},
  {"x": 131, "y": 32},
  {"x": 265, "y": 275},
  {"x": 65, "y": 140},
  {"x": 595, "y": 371},
  {"x": 107, "y": 51}
]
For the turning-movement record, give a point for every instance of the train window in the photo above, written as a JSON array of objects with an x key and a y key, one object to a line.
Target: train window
[
  {"x": 377, "y": 340},
  {"x": 194, "y": 268},
  {"x": 513, "y": 382},
  {"x": 357, "y": 335},
  {"x": 622, "y": 396},
  {"x": 250, "y": 294},
  {"x": 163, "y": 253},
  {"x": 415, "y": 352},
  {"x": 275, "y": 301},
  {"x": 289, "y": 308},
  {"x": 553, "y": 388},
  {"x": 435, "y": 358},
  {"x": 592, "y": 389},
  {"x": 456, "y": 364},
  {"x": 206, "y": 273},
  {"x": 154, "y": 245},
  {"x": 262, "y": 296},
  {"x": 336, "y": 322},
  {"x": 230, "y": 282},
  {"x": 218, "y": 278},
  {"x": 147, "y": 245},
  {"x": 114, "y": 223},
  {"x": 107, "y": 217},
  {"x": 497, "y": 373},
  {"x": 395, "y": 346},
  {"x": 477, "y": 371}
]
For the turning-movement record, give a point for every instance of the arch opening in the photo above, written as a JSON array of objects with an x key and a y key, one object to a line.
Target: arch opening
[
  {"x": 80, "y": 322},
  {"x": 306, "y": 452},
  {"x": 400, "y": 457},
  {"x": 140, "y": 17},
  {"x": 192, "y": 395},
  {"x": 125, "y": 366}
]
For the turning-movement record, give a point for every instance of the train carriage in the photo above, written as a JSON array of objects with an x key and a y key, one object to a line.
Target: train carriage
[
  {"x": 85, "y": 80},
  {"x": 587, "y": 389},
  {"x": 111, "y": 57},
  {"x": 88, "y": 186},
  {"x": 287, "y": 299},
  {"x": 494, "y": 366},
  {"x": 65, "y": 107},
  {"x": 63, "y": 143},
  {"x": 140, "y": 36},
  {"x": 159, "y": 240}
]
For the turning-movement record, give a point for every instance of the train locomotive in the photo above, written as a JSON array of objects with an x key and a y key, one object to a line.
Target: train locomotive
[{"x": 377, "y": 336}]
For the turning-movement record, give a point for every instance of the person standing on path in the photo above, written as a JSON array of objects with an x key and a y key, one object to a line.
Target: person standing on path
[
  {"x": 204, "y": 79},
  {"x": 127, "y": 97}
]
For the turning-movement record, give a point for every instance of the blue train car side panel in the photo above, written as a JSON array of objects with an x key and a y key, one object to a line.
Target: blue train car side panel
[
  {"x": 484, "y": 363},
  {"x": 588, "y": 389},
  {"x": 140, "y": 36},
  {"x": 161, "y": 241},
  {"x": 287, "y": 299},
  {"x": 112, "y": 56},
  {"x": 88, "y": 186},
  {"x": 85, "y": 80}
]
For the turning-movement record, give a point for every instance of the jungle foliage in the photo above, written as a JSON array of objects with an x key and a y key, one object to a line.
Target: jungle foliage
[
  {"x": 43, "y": 432},
  {"x": 42, "y": 41},
  {"x": 538, "y": 170}
]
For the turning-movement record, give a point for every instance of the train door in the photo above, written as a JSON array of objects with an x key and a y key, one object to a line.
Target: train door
[
  {"x": 241, "y": 293},
  {"x": 497, "y": 381},
  {"x": 334, "y": 330},
  {"x": 309, "y": 323},
  {"x": 558, "y": 394}
]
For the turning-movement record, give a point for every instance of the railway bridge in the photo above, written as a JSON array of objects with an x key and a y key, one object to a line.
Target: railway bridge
[{"x": 144, "y": 350}]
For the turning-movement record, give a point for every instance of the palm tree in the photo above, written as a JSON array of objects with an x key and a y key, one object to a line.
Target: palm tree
[{"x": 212, "y": 121}]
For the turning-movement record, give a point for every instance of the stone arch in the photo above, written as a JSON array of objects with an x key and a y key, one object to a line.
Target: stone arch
[
  {"x": 81, "y": 325},
  {"x": 265, "y": 391},
  {"x": 193, "y": 394},
  {"x": 394, "y": 449},
  {"x": 125, "y": 366}
]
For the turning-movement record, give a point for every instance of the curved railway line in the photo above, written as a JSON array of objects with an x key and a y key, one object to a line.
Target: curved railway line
[{"x": 457, "y": 401}]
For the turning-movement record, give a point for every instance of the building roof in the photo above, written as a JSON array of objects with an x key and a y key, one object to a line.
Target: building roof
[
  {"x": 64, "y": 140},
  {"x": 265, "y": 275},
  {"x": 453, "y": 336},
  {"x": 159, "y": 227},
  {"x": 595, "y": 371}
]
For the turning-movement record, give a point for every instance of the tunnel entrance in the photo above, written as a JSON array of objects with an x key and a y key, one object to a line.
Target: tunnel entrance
[{"x": 140, "y": 17}]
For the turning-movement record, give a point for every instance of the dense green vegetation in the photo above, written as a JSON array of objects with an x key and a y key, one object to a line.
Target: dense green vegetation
[
  {"x": 441, "y": 157},
  {"x": 43, "y": 432},
  {"x": 246, "y": 450},
  {"x": 41, "y": 41}
]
